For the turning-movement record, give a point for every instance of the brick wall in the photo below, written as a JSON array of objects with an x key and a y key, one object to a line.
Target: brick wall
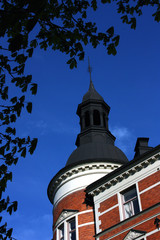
[
  {"x": 109, "y": 218},
  {"x": 144, "y": 222},
  {"x": 86, "y": 232},
  {"x": 108, "y": 203},
  {"x": 85, "y": 217},
  {"x": 150, "y": 197},
  {"x": 74, "y": 201},
  {"x": 149, "y": 181}
]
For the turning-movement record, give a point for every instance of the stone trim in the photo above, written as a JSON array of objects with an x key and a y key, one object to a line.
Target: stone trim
[
  {"x": 65, "y": 214},
  {"x": 133, "y": 234}
]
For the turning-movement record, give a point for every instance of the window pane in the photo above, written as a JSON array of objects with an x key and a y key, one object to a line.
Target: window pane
[
  {"x": 72, "y": 229},
  {"x": 72, "y": 225},
  {"x": 128, "y": 209},
  {"x": 130, "y": 194},
  {"x": 73, "y": 236},
  {"x": 61, "y": 232},
  {"x": 136, "y": 206}
]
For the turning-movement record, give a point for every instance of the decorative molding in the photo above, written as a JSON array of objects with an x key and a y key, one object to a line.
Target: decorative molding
[
  {"x": 65, "y": 214},
  {"x": 125, "y": 174},
  {"x": 133, "y": 234},
  {"x": 80, "y": 169}
]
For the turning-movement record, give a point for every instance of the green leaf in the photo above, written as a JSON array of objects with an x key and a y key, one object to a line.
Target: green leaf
[
  {"x": 94, "y": 4},
  {"x": 14, "y": 99},
  {"x": 9, "y": 232},
  {"x": 15, "y": 204},
  {"x": 9, "y": 176},
  {"x": 34, "y": 88},
  {"x": 13, "y": 118},
  {"x": 110, "y": 31},
  {"x": 9, "y": 209},
  {"x": 133, "y": 23},
  {"x": 23, "y": 153},
  {"x": 29, "y": 107},
  {"x": 106, "y": 1},
  {"x": 111, "y": 49},
  {"x": 33, "y": 145},
  {"x": 116, "y": 40}
]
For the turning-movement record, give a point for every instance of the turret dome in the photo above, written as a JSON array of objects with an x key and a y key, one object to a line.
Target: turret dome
[{"x": 99, "y": 152}]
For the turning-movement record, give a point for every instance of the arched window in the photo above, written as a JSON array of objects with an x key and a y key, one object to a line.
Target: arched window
[
  {"x": 104, "y": 120},
  {"x": 96, "y": 117},
  {"x": 87, "y": 119}
]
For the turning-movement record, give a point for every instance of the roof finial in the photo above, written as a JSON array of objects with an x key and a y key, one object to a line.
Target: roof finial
[{"x": 89, "y": 69}]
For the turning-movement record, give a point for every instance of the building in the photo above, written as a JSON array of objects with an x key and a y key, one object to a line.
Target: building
[{"x": 99, "y": 194}]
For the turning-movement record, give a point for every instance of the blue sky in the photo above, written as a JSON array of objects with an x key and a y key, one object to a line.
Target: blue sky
[{"x": 129, "y": 82}]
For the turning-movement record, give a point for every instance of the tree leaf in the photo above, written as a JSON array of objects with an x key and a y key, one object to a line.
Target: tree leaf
[{"x": 29, "y": 107}]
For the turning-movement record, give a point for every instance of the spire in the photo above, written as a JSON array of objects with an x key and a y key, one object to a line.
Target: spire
[{"x": 92, "y": 94}]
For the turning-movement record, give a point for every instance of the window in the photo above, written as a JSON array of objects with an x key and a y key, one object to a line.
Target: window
[
  {"x": 96, "y": 117},
  {"x": 130, "y": 202},
  {"x": 72, "y": 229},
  {"x": 67, "y": 230},
  {"x": 61, "y": 232},
  {"x": 87, "y": 119},
  {"x": 104, "y": 120}
]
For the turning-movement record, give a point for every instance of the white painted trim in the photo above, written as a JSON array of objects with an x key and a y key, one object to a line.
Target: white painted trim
[
  {"x": 97, "y": 221},
  {"x": 129, "y": 228},
  {"x": 109, "y": 209},
  {"x": 120, "y": 206},
  {"x": 138, "y": 196},
  {"x": 85, "y": 224},
  {"x": 126, "y": 183},
  {"x": 86, "y": 211},
  {"x": 65, "y": 222},
  {"x": 96, "y": 168},
  {"x": 150, "y": 233},
  {"x": 77, "y": 233},
  {"x": 152, "y": 186},
  {"x": 138, "y": 172}
]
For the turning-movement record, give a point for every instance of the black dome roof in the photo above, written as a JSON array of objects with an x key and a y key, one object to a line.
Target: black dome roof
[{"x": 97, "y": 151}]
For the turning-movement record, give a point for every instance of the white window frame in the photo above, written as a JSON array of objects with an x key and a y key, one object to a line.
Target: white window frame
[
  {"x": 60, "y": 237},
  {"x": 129, "y": 201},
  {"x": 68, "y": 227},
  {"x": 65, "y": 224}
]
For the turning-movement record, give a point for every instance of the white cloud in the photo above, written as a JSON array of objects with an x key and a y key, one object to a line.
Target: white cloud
[
  {"x": 121, "y": 132},
  {"x": 124, "y": 140}
]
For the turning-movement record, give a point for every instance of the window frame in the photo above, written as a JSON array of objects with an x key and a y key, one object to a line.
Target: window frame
[
  {"x": 65, "y": 225},
  {"x": 131, "y": 201},
  {"x": 61, "y": 232},
  {"x": 71, "y": 230}
]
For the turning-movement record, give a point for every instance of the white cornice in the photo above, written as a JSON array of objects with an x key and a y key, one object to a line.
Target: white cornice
[
  {"x": 124, "y": 175},
  {"x": 81, "y": 170}
]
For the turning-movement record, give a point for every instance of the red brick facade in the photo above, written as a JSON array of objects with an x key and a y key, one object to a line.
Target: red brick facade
[
  {"x": 75, "y": 201},
  {"x": 143, "y": 221},
  {"x": 149, "y": 181},
  {"x": 108, "y": 203}
]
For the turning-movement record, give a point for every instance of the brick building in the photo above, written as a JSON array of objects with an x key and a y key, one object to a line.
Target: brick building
[{"x": 99, "y": 194}]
